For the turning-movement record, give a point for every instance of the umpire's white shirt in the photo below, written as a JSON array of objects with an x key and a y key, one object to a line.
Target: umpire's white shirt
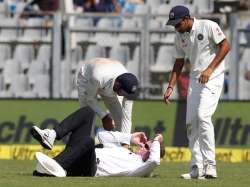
[
  {"x": 115, "y": 160},
  {"x": 96, "y": 77},
  {"x": 199, "y": 46}
]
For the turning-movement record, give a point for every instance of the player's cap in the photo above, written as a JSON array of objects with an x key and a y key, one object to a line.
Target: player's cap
[
  {"x": 129, "y": 85},
  {"x": 49, "y": 166},
  {"x": 176, "y": 15}
]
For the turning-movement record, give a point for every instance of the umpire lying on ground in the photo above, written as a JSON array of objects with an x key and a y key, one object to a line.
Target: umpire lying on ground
[{"x": 81, "y": 158}]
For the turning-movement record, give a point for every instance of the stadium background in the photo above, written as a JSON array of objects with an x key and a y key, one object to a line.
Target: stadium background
[{"x": 40, "y": 52}]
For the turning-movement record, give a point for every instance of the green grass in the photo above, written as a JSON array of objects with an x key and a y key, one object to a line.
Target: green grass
[{"x": 18, "y": 173}]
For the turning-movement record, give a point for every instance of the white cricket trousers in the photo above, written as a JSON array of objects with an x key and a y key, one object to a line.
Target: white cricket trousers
[{"x": 202, "y": 101}]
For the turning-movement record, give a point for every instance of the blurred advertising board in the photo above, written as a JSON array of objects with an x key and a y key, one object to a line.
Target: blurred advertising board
[{"x": 231, "y": 120}]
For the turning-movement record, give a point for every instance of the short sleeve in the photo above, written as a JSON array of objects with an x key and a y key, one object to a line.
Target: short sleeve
[
  {"x": 178, "y": 51},
  {"x": 215, "y": 32}
]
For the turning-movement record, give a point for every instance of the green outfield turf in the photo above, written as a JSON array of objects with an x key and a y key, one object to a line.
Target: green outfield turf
[{"x": 18, "y": 173}]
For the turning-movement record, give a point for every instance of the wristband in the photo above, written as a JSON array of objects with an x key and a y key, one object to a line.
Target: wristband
[{"x": 170, "y": 87}]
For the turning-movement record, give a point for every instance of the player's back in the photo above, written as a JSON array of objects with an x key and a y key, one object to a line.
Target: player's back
[
  {"x": 105, "y": 68},
  {"x": 105, "y": 65}
]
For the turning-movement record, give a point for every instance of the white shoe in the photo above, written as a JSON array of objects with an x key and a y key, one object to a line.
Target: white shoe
[
  {"x": 210, "y": 172},
  {"x": 195, "y": 173},
  {"x": 46, "y": 137}
]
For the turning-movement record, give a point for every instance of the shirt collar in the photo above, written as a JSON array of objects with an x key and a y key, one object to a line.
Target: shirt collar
[
  {"x": 192, "y": 29},
  {"x": 193, "y": 26}
]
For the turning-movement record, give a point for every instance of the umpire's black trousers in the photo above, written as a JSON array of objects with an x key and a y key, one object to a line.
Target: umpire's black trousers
[{"x": 78, "y": 158}]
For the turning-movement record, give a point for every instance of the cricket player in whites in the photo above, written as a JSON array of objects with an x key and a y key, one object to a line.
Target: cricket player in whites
[
  {"x": 203, "y": 42},
  {"x": 117, "y": 87}
]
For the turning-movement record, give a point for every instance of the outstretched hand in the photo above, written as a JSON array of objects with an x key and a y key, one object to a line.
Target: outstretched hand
[{"x": 108, "y": 123}]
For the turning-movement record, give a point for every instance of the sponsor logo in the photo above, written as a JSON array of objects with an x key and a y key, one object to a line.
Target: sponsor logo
[
  {"x": 218, "y": 31},
  {"x": 26, "y": 152},
  {"x": 134, "y": 88},
  {"x": 228, "y": 131},
  {"x": 20, "y": 132},
  {"x": 173, "y": 154}
]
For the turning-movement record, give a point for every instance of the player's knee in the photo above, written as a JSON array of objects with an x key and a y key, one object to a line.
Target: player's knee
[
  {"x": 87, "y": 142},
  {"x": 202, "y": 116}
]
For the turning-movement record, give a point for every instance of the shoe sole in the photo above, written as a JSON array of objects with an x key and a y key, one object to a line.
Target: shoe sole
[
  {"x": 210, "y": 177},
  {"x": 193, "y": 178},
  {"x": 38, "y": 137}
]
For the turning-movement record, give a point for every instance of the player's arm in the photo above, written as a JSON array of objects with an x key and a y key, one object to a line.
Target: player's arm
[
  {"x": 137, "y": 138},
  {"x": 92, "y": 102},
  {"x": 217, "y": 36},
  {"x": 223, "y": 49},
  {"x": 178, "y": 65},
  {"x": 113, "y": 137},
  {"x": 126, "y": 119},
  {"x": 107, "y": 120}
]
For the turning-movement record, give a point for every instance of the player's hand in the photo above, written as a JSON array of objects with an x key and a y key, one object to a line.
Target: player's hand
[
  {"x": 167, "y": 95},
  {"x": 204, "y": 77},
  {"x": 139, "y": 138},
  {"x": 108, "y": 122},
  {"x": 159, "y": 137}
]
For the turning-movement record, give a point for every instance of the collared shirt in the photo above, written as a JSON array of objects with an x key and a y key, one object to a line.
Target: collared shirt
[
  {"x": 115, "y": 160},
  {"x": 200, "y": 46},
  {"x": 112, "y": 138}
]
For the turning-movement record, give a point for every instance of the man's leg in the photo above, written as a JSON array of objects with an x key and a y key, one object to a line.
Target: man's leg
[
  {"x": 196, "y": 165},
  {"x": 82, "y": 117},
  {"x": 208, "y": 103},
  {"x": 82, "y": 83},
  {"x": 78, "y": 158}
]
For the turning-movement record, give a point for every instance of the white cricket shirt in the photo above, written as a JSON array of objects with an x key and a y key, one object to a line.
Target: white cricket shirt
[
  {"x": 115, "y": 160},
  {"x": 119, "y": 161},
  {"x": 112, "y": 138},
  {"x": 199, "y": 46},
  {"x": 97, "y": 76}
]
